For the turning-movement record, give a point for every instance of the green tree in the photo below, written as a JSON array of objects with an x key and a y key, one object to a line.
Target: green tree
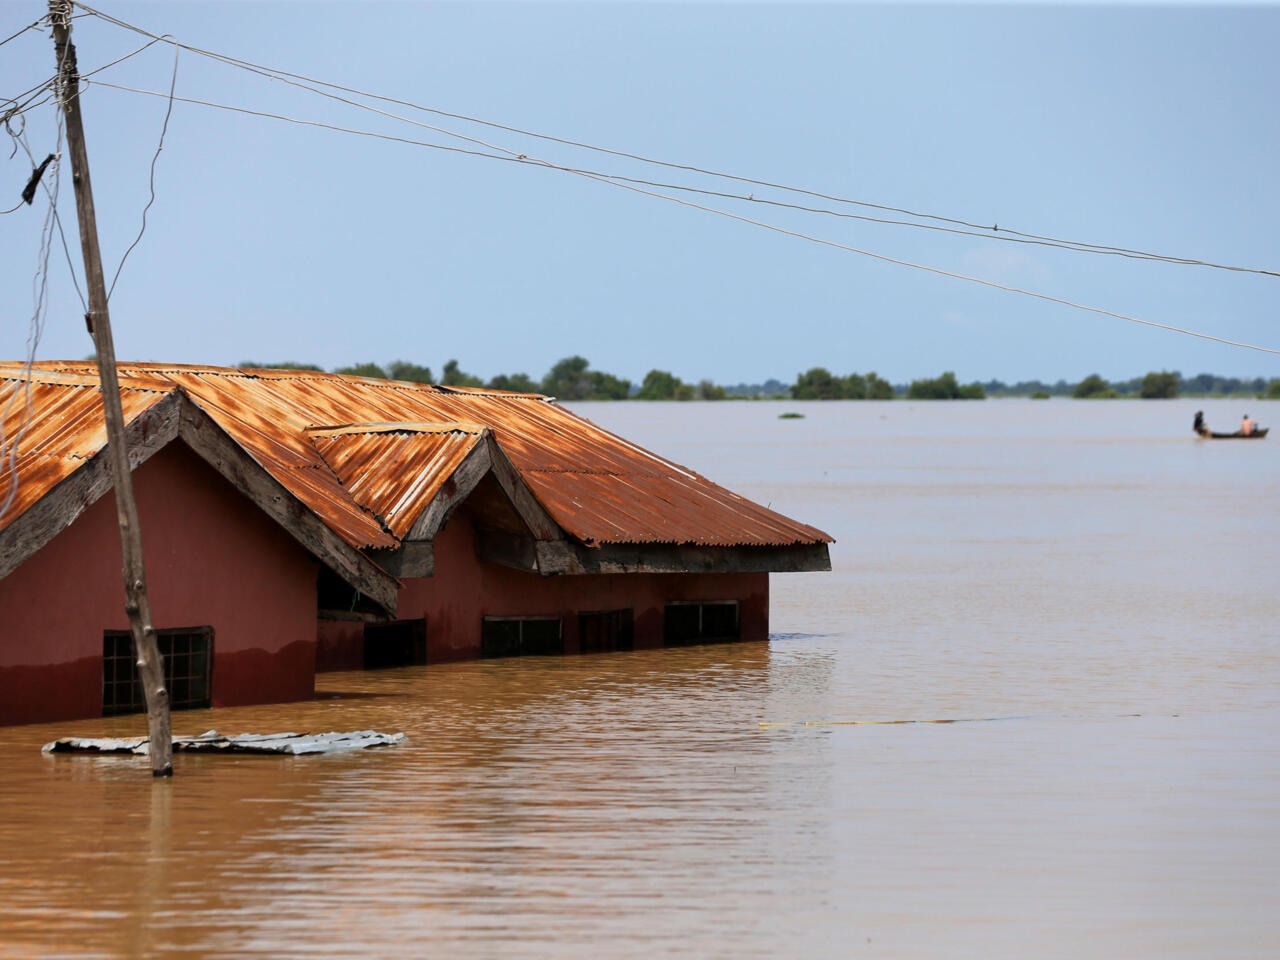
[
  {"x": 363, "y": 370},
  {"x": 1093, "y": 387},
  {"x": 817, "y": 383},
  {"x": 710, "y": 391},
  {"x": 945, "y": 387},
  {"x": 411, "y": 372},
  {"x": 663, "y": 385},
  {"x": 1273, "y": 390},
  {"x": 513, "y": 383},
  {"x": 878, "y": 388},
  {"x": 854, "y": 387},
  {"x": 570, "y": 379},
  {"x": 254, "y": 365},
  {"x": 1160, "y": 386},
  {"x": 451, "y": 376},
  {"x": 605, "y": 386}
]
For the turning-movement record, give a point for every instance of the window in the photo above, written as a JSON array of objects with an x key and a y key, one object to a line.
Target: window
[
  {"x": 609, "y": 630},
  {"x": 398, "y": 643},
  {"x": 520, "y": 636},
  {"x": 700, "y": 622},
  {"x": 188, "y": 670}
]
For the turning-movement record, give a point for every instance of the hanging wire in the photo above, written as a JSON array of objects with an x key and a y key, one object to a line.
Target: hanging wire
[
  {"x": 993, "y": 232},
  {"x": 31, "y": 26},
  {"x": 601, "y": 178},
  {"x": 20, "y": 139},
  {"x": 155, "y": 158},
  {"x": 10, "y": 447}
]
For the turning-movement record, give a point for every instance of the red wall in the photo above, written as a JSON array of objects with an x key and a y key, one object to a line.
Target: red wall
[
  {"x": 464, "y": 590},
  {"x": 211, "y": 558}
]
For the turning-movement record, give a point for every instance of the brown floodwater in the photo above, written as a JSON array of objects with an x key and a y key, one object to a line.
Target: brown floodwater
[{"x": 1085, "y": 586}]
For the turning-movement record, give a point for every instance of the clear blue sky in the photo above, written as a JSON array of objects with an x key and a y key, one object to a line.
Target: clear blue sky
[{"x": 1140, "y": 126}]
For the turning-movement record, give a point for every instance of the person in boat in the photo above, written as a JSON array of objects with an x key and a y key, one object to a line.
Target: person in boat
[
  {"x": 1199, "y": 426},
  {"x": 1247, "y": 426}
]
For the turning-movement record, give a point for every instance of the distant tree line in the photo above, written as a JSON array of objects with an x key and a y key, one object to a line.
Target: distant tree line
[
  {"x": 573, "y": 379},
  {"x": 1162, "y": 385},
  {"x": 570, "y": 379}
]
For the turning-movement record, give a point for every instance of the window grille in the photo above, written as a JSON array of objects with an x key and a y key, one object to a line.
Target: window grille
[{"x": 188, "y": 670}]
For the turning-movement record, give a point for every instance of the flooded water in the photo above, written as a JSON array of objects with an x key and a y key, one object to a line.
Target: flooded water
[{"x": 1087, "y": 586}]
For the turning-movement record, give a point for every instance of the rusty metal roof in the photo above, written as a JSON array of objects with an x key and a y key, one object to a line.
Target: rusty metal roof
[
  {"x": 48, "y": 429},
  {"x": 395, "y": 475},
  {"x": 367, "y": 456}
]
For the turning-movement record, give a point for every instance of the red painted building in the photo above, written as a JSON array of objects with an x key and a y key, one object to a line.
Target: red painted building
[{"x": 295, "y": 521}]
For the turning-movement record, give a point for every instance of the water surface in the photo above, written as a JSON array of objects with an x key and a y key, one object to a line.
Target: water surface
[{"x": 1086, "y": 586}]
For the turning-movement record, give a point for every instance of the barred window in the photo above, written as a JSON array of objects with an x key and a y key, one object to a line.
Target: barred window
[
  {"x": 520, "y": 636},
  {"x": 188, "y": 670},
  {"x": 606, "y": 630},
  {"x": 701, "y": 621}
]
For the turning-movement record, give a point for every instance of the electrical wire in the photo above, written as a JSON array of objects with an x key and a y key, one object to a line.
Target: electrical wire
[
  {"x": 969, "y": 228},
  {"x": 10, "y": 448},
  {"x": 20, "y": 139},
  {"x": 982, "y": 233},
  {"x": 601, "y": 178},
  {"x": 30, "y": 26},
  {"x": 42, "y": 92},
  {"x": 173, "y": 83}
]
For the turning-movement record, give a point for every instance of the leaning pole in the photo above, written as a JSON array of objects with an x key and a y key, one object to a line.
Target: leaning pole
[{"x": 98, "y": 319}]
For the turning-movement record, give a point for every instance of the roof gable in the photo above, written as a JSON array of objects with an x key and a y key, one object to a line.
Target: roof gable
[{"x": 372, "y": 459}]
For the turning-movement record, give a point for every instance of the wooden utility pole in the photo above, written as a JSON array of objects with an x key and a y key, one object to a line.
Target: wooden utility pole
[{"x": 137, "y": 606}]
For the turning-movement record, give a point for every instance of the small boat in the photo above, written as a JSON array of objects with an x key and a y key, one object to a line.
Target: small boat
[
  {"x": 1257, "y": 434},
  {"x": 1201, "y": 429}
]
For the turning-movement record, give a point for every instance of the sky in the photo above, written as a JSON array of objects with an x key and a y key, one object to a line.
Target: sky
[{"x": 1147, "y": 127}]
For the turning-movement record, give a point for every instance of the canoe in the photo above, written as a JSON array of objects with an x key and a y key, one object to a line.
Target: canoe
[{"x": 1257, "y": 434}]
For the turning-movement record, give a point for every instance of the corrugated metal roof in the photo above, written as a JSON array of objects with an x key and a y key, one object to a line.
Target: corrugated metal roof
[
  {"x": 368, "y": 455},
  {"x": 395, "y": 475},
  {"x": 48, "y": 430}
]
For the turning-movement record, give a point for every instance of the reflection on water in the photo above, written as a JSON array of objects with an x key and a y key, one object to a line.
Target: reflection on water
[{"x": 1085, "y": 571}]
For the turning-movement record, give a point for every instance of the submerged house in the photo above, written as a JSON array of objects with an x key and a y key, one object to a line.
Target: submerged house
[{"x": 296, "y": 521}]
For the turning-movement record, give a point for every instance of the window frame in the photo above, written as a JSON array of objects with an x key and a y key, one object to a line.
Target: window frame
[
  {"x": 120, "y": 670},
  {"x": 617, "y": 635},
  {"x": 701, "y": 634},
  {"x": 519, "y": 648}
]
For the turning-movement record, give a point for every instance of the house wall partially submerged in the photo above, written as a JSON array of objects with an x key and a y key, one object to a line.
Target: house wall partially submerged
[
  {"x": 293, "y": 519},
  {"x": 211, "y": 560},
  {"x": 465, "y": 589}
]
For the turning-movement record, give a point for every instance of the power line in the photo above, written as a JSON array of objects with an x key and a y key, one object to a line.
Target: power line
[
  {"x": 10, "y": 448},
  {"x": 602, "y": 178},
  {"x": 30, "y": 26},
  {"x": 155, "y": 158},
  {"x": 20, "y": 139},
  {"x": 993, "y": 232}
]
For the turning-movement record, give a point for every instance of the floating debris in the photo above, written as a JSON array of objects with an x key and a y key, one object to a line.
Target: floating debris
[
  {"x": 791, "y": 415},
  {"x": 213, "y": 742}
]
